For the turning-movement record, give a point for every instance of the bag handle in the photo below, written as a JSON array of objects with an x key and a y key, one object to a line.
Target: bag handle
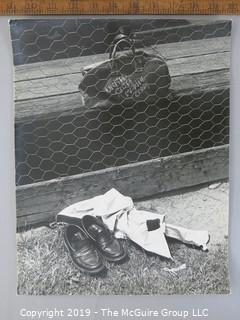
[{"x": 122, "y": 39}]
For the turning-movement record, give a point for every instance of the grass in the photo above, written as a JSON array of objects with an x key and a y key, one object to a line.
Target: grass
[{"x": 44, "y": 268}]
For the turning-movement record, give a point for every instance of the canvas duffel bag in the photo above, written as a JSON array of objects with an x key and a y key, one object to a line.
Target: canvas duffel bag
[{"x": 128, "y": 77}]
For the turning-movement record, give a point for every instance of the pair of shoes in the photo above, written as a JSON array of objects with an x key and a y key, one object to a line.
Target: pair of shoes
[{"x": 89, "y": 241}]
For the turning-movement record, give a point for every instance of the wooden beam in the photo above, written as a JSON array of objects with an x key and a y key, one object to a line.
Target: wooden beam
[
  {"x": 74, "y": 65},
  {"x": 40, "y": 202},
  {"x": 197, "y": 29},
  {"x": 53, "y": 88},
  {"x": 65, "y": 84},
  {"x": 72, "y": 103}
]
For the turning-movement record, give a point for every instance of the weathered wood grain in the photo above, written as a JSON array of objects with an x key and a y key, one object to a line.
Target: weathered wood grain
[
  {"x": 197, "y": 29},
  {"x": 40, "y": 202},
  {"x": 75, "y": 65},
  {"x": 65, "y": 84},
  {"x": 72, "y": 103},
  {"x": 53, "y": 88},
  {"x": 201, "y": 82}
]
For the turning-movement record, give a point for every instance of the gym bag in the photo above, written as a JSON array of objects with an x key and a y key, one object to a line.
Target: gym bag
[{"x": 128, "y": 77}]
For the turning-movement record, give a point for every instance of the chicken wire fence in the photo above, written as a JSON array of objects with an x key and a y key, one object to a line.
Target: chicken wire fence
[
  {"x": 117, "y": 134},
  {"x": 41, "y": 40}
]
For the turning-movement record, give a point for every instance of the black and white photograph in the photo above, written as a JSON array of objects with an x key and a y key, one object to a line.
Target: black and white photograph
[{"x": 122, "y": 155}]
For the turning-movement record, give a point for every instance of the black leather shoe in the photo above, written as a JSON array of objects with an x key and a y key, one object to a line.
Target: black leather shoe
[
  {"x": 82, "y": 251},
  {"x": 109, "y": 246}
]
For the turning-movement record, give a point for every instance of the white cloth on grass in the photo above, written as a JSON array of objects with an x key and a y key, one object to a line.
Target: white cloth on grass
[{"x": 120, "y": 215}]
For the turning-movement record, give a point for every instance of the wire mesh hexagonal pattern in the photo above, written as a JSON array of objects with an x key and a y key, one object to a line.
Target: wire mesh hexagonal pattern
[{"x": 81, "y": 132}]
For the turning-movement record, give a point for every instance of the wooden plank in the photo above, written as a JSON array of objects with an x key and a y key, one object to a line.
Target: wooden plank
[
  {"x": 198, "y": 29},
  {"x": 46, "y": 87},
  {"x": 40, "y": 202},
  {"x": 75, "y": 65},
  {"x": 201, "y": 82},
  {"x": 50, "y": 107},
  {"x": 65, "y": 84}
]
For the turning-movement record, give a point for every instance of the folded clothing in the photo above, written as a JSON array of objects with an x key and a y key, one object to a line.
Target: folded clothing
[{"x": 147, "y": 229}]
